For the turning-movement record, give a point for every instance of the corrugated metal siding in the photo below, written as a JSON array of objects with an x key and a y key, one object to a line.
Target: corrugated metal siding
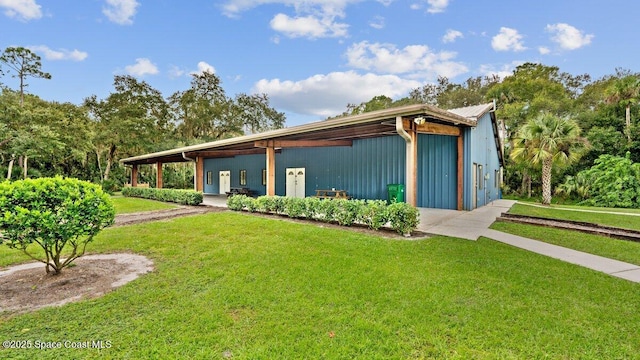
[
  {"x": 364, "y": 169},
  {"x": 480, "y": 148},
  {"x": 252, "y": 163},
  {"x": 437, "y": 171}
]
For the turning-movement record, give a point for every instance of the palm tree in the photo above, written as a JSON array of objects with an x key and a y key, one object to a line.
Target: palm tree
[
  {"x": 625, "y": 91},
  {"x": 548, "y": 140}
]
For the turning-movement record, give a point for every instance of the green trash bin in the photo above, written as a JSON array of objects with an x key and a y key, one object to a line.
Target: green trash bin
[{"x": 395, "y": 193}]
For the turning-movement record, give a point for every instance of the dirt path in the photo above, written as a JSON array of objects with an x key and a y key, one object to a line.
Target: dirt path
[{"x": 145, "y": 216}]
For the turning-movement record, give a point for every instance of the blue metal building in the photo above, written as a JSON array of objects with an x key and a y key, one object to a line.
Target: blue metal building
[{"x": 445, "y": 159}]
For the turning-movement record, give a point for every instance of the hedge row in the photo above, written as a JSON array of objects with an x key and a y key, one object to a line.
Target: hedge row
[
  {"x": 375, "y": 214},
  {"x": 184, "y": 197}
]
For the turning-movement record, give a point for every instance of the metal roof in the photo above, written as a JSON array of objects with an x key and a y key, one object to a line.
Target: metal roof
[
  {"x": 473, "y": 112},
  {"x": 349, "y": 127}
]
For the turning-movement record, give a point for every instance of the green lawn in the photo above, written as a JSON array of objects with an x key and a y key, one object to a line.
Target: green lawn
[
  {"x": 126, "y": 205},
  {"x": 623, "y": 250},
  {"x": 272, "y": 289},
  {"x": 570, "y": 213}
]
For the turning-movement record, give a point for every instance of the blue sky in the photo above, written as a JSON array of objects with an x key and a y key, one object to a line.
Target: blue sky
[{"x": 311, "y": 57}]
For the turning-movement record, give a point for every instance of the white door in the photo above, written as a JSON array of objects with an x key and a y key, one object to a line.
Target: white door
[
  {"x": 225, "y": 181},
  {"x": 295, "y": 182}
]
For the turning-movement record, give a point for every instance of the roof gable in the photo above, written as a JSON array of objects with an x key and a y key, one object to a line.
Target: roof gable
[{"x": 473, "y": 112}]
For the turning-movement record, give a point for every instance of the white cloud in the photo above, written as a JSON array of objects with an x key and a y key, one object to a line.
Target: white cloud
[
  {"x": 451, "y": 36},
  {"x": 61, "y": 54},
  {"x": 308, "y": 26},
  {"x": 120, "y": 11},
  {"x": 377, "y": 22},
  {"x": 176, "y": 72},
  {"x": 203, "y": 67},
  {"x": 417, "y": 61},
  {"x": 502, "y": 71},
  {"x": 328, "y": 95},
  {"x": 437, "y": 6},
  {"x": 385, "y": 2},
  {"x": 21, "y": 9},
  {"x": 568, "y": 37},
  {"x": 232, "y": 8},
  {"x": 142, "y": 67},
  {"x": 543, "y": 50},
  {"x": 312, "y": 19},
  {"x": 508, "y": 40}
]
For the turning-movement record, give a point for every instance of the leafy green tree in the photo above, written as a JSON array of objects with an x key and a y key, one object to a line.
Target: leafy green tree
[
  {"x": 614, "y": 181},
  {"x": 533, "y": 89},
  {"x": 127, "y": 122},
  {"x": 256, "y": 115},
  {"x": 31, "y": 129},
  {"x": 626, "y": 92},
  {"x": 200, "y": 112},
  {"x": 24, "y": 63},
  {"x": 379, "y": 102},
  {"x": 54, "y": 213},
  {"x": 205, "y": 113},
  {"x": 548, "y": 140},
  {"x": 447, "y": 95}
]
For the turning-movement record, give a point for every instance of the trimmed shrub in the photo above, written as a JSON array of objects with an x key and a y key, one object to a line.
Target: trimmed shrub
[
  {"x": 249, "y": 203},
  {"x": 236, "y": 202},
  {"x": 311, "y": 207},
  {"x": 294, "y": 207},
  {"x": 184, "y": 197},
  {"x": 327, "y": 210},
  {"x": 375, "y": 214},
  {"x": 264, "y": 204},
  {"x": 57, "y": 214},
  {"x": 404, "y": 218},
  {"x": 347, "y": 211}
]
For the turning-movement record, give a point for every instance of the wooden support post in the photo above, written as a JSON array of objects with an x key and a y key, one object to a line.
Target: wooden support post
[
  {"x": 199, "y": 173},
  {"x": 134, "y": 175},
  {"x": 460, "y": 171},
  {"x": 159, "y": 175},
  {"x": 271, "y": 171}
]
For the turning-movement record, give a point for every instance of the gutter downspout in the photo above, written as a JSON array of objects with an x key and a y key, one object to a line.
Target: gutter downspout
[
  {"x": 410, "y": 175},
  {"x": 194, "y": 168}
]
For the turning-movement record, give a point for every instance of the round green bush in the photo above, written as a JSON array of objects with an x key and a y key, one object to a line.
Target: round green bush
[{"x": 58, "y": 214}]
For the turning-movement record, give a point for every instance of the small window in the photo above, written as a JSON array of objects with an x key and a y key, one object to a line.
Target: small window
[
  {"x": 264, "y": 176},
  {"x": 497, "y": 178},
  {"x": 243, "y": 177},
  {"x": 480, "y": 177},
  {"x": 209, "y": 178}
]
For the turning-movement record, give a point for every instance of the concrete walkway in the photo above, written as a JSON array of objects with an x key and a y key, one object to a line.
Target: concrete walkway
[
  {"x": 215, "y": 200},
  {"x": 473, "y": 224},
  {"x": 468, "y": 225}
]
